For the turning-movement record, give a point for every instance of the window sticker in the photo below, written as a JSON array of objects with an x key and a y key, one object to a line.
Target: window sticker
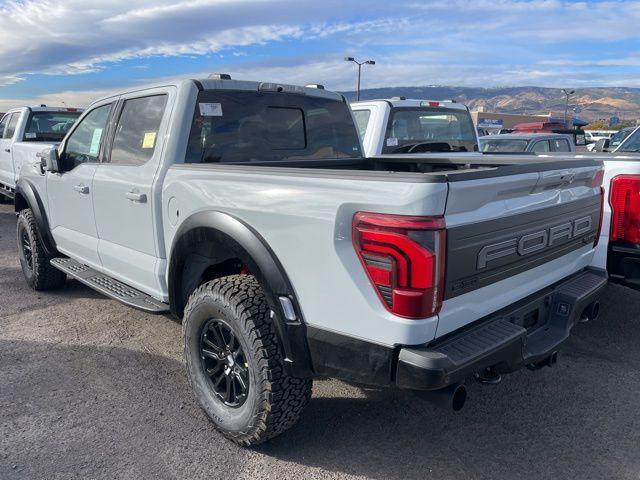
[
  {"x": 95, "y": 142},
  {"x": 30, "y": 135},
  {"x": 149, "y": 140},
  {"x": 210, "y": 109},
  {"x": 392, "y": 142}
]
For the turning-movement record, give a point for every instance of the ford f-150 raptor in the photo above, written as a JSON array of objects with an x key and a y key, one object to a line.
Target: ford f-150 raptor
[
  {"x": 249, "y": 211},
  {"x": 22, "y": 133}
]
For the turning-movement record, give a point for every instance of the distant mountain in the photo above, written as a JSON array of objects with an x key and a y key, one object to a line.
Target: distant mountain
[{"x": 595, "y": 103}]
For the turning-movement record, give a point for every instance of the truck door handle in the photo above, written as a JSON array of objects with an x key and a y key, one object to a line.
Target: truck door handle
[
  {"x": 8, "y": 150},
  {"x": 81, "y": 189},
  {"x": 136, "y": 196}
]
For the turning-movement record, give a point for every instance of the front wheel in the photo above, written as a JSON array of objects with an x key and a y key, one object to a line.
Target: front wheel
[
  {"x": 235, "y": 363},
  {"x": 38, "y": 272}
]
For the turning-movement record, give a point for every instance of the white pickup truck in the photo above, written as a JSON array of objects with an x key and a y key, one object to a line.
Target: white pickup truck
[
  {"x": 249, "y": 211},
  {"x": 22, "y": 133},
  {"x": 399, "y": 125}
]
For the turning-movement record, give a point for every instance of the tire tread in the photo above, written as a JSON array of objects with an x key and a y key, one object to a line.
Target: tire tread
[{"x": 281, "y": 398}]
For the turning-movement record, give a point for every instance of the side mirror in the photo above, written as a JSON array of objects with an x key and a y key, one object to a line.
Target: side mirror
[
  {"x": 601, "y": 145},
  {"x": 49, "y": 160}
]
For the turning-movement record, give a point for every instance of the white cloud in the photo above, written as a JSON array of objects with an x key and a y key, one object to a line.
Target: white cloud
[{"x": 459, "y": 42}]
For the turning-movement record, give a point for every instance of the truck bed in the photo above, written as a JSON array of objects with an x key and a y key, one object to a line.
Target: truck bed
[{"x": 418, "y": 168}]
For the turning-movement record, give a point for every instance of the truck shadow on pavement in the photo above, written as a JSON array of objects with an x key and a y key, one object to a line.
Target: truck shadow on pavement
[{"x": 577, "y": 420}]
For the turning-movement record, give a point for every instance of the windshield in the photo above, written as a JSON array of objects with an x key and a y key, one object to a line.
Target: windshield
[
  {"x": 618, "y": 137},
  {"x": 414, "y": 130},
  {"x": 240, "y": 126},
  {"x": 504, "y": 146},
  {"x": 49, "y": 126},
  {"x": 631, "y": 144}
]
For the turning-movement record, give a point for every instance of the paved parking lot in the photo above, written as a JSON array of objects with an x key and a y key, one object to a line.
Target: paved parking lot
[{"x": 92, "y": 389}]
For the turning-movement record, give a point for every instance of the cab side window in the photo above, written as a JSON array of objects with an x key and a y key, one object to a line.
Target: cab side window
[
  {"x": 541, "y": 147},
  {"x": 137, "y": 131},
  {"x": 12, "y": 124},
  {"x": 84, "y": 143},
  {"x": 560, "y": 145},
  {"x": 362, "y": 121},
  {"x": 3, "y": 124}
]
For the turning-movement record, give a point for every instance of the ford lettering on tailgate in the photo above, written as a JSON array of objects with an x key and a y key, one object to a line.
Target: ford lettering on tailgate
[
  {"x": 534, "y": 242},
  {"x": 479, "y": 254}
]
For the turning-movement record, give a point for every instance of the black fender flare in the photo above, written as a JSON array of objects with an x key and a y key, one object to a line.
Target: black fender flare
[
  {"x": 224, "y": 237},
  {"x": 27, "y": 196}
]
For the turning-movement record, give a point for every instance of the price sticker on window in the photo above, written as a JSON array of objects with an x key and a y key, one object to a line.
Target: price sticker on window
[
  {"x": 392, "y": 142},
  {"x": 149, "y": 140},
  {"x": 210, "y": 109},
  {"x": 95, "y": 142}
]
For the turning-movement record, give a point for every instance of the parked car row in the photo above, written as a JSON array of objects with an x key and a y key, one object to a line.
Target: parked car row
[
  {"x": 23, "y": 133},
  {"x": 296, "y": 237}
]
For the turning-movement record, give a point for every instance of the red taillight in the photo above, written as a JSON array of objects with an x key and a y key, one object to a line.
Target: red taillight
[
  {"x": 72, "y": 109},
  {"x": 404, "y": 259},
  {"x": 624, "y": 198},
  {"x": 434, "y": 104}
]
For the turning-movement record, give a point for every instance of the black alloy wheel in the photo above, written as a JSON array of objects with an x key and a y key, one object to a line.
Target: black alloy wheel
[
  {"x": 224, "y": 363},
  {"x": 27, "y": 252}
]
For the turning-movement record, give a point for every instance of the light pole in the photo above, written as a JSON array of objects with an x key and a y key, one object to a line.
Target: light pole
[
  {"x": 567, "y": 94},
  {"x": 366, "y": 62}
]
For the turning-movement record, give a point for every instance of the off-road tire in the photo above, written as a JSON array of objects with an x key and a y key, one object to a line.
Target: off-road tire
[
  {"x": 39, "y": 273},
  {"x": 275, "y": 400}
]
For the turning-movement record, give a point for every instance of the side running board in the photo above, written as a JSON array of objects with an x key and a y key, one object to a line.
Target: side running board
[{"x": 109, "y": 286}]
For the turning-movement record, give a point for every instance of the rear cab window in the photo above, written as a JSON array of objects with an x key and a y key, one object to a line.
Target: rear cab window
[
  {"x": 433, "y": 129},
  {"x": 49, "y": 126},
  {"x": 264, "y": 127}
]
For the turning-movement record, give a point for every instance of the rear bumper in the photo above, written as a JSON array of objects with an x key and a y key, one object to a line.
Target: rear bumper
[{"x": 525, "y": 333}]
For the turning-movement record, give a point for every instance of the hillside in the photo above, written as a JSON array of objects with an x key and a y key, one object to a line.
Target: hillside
[{"x": 595, "y": 103}]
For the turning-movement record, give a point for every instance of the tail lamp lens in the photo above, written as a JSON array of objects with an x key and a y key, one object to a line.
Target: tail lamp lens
[
  {"x": 404, "y": 260},
  {"x": 624, "y": 198}
]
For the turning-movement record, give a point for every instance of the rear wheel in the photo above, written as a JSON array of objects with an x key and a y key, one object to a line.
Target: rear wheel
[
  {"x": 37, "y": 270},
  {"x": 235, "y": 363}
]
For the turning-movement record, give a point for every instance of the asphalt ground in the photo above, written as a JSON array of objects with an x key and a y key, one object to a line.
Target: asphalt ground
[{"x": 92, "y": 389}]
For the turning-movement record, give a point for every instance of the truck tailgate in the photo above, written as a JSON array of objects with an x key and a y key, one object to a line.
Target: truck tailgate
[{"x": 509, "y": 236}]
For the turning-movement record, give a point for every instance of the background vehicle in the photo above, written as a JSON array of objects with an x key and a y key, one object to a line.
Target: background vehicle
[
  {"x": 629, "y": 143},
  {"x": 22, "y": 133},
  {"x": 527, "y": 143},
  {"x": 610, "y": 145},
  {"x": 619, "y": 247},
  {"x": 578, "y": 135},
  {"x": 249, "y": 210},
  {"x": 399, "y": 125},
  {"x": 592, "y": 136}
]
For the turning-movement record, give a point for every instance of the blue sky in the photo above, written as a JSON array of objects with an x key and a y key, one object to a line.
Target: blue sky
[{"x": 75, "y": 51}]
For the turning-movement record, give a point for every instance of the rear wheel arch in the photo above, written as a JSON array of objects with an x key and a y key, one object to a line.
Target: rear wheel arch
[{"x": 213, "y": 244}]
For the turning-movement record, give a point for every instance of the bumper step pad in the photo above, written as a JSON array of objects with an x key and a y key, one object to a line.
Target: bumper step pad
[
  {"x": 524, "y": 333},
  {"x": 110, "y": 287}
]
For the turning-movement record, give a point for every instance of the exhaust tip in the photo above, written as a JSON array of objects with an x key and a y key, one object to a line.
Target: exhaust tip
[
  {"x": 592, "y": 311},
  {"x": 459, "y": 398}
]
